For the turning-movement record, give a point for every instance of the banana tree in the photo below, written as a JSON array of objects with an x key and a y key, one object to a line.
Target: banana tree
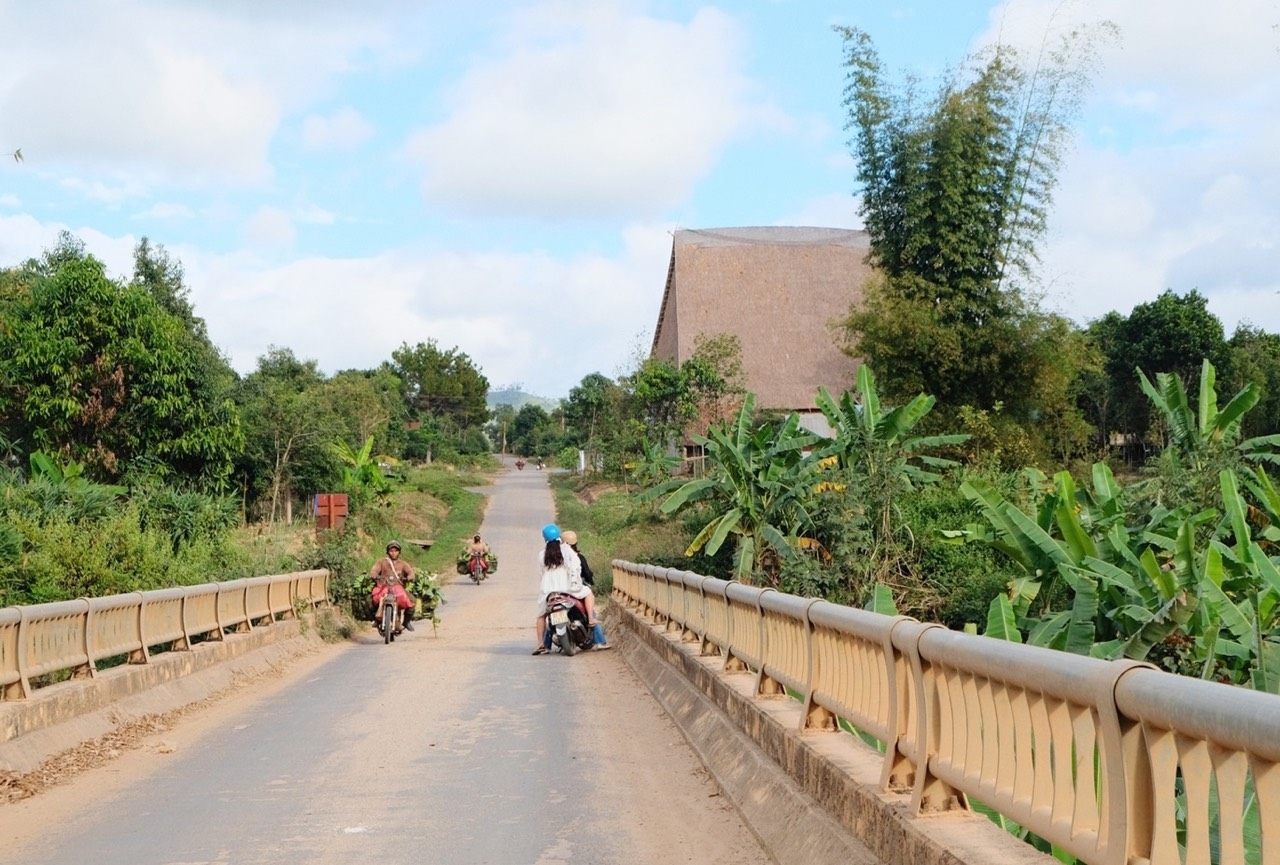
[
  {"x": 757, "y": 491},
  {"x": 1196, "y": 433},
  {"x": 361, "y": 474},
  {"x": 878, "y": 444},
  {"x": 1240, "y": 633},
  {"x": 862, "y": 427},
  {"x": 1123, "y": 599}
]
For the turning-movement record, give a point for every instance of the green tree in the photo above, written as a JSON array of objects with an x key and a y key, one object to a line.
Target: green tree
[
  {"x": 289, "y": 429},
  {"x": 368, "y": 404},
  {"x": 712, "y": 379},
  {"x": 99, "y": 373},
  {"x": 533, "y": 433},
  {"x": 598, "y": 420},
  {"x": 442, "y": 383},
  {"x": 163, "y": 278},
  {"x": 955, "y": 196},
  {"x": 501, "y": 418},
  {"x": 1171, "y": 334},
  {"x": 1255, "y": 359},
  {"x": 656, "y": 390}
]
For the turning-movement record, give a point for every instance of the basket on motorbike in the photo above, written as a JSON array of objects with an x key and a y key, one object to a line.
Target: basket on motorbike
[{"x": 464, "y": 562}]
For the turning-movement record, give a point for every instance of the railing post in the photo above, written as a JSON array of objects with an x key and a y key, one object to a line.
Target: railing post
[
  {"x": 814, "y": 718},
  {"x": 24, "y": 635},
  {"x": 929, "y": 793},
  {"x": 89, "y": 670}
]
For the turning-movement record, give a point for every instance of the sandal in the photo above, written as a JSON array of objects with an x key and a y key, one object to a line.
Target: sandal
[{"x": 541, "y": 650}]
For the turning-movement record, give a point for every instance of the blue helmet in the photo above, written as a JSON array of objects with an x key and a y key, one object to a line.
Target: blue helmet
[{"x": 550, "y": 532}]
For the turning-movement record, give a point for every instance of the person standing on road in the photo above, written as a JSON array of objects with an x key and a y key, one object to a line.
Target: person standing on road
[{"x": 570, "y": 537}]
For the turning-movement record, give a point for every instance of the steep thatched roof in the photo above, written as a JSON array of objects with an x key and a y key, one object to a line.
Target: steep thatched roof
[{"x": 778, "y": 290}]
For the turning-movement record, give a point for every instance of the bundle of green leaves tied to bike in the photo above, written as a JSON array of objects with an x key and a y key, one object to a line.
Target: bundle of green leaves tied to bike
[
  {"x": 464, "y": 562},
  {"x": 424, "y": 589}
]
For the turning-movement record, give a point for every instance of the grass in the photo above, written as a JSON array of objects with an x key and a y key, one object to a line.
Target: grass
[{"x": 461, "y": 517}]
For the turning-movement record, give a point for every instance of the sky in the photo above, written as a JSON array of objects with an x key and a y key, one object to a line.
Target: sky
[{"x": 503, "y": 176}]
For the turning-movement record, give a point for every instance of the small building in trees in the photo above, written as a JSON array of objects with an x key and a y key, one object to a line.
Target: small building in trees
[{"x": 780, "y": 291}]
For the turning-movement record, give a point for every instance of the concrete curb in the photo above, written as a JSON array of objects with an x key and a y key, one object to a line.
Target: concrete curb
[
  {"x": 71, "y": 713},
  {"x": 811, "y": 797}
]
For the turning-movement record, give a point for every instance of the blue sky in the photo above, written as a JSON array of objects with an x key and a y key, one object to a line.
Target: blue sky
[{"x": 342, "y": 177}]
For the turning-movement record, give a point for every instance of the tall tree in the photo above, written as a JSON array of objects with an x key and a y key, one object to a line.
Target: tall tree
[
  {"x": 444, "y": 384},
  {"x": 290, "y": 429},
  {"x": 955, "y": 196},
  {"x": 102, "y": 374},
  {"x": 1255, "y": 359},
  {"x": 1170, "y": 334},
  {"x": 368, "y": 403}
]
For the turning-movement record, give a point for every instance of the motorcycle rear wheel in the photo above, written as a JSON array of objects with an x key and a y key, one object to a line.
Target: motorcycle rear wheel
[{"x": 568, "y": 645}]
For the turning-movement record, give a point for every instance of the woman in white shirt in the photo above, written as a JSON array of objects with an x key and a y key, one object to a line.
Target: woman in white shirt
[{"x": 561, "y": 572}]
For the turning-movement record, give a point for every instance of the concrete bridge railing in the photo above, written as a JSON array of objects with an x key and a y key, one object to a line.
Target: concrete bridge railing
[
  {"x": 77, "y": 635},
  {"x": 1097, "y": 757}
]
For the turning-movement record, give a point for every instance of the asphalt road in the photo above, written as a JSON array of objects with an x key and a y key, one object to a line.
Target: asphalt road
[{"x": 453, "y": 747}]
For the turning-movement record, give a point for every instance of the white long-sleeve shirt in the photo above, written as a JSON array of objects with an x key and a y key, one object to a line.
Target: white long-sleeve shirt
[{"x": 566, "y": 578}]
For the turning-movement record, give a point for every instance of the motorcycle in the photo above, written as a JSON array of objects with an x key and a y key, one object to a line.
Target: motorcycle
[
  {"x": 520, "y": 465},
  {"x": 477, "y": 567},
  {"x": 567, "y": 623},
  {"x": 388, "y": 617},
  {"x": 392, "y": 607}
]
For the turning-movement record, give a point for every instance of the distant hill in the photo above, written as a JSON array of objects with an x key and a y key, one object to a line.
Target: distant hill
[{"x": 517, "y": 399}]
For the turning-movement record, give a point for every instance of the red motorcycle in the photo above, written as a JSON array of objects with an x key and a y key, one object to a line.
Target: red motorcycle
[
  {"x": 478, "y": 567},
  {"x": 520, "y": 465}
]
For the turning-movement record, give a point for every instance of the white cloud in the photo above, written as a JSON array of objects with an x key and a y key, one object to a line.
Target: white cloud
[
  {"x": 588, "y": 111},
  {"x": 270, "y": 227},
  {"x": 165, "y": 210},
  {"x": 344, "y": 130},
  {"x": 23, "y": 237},
  {"x": 521, "y": 317},
  {"x": 1173, "y": 181},
  {"x": 313, "y": 215},
  {"x": 830, "y": 211},
  {"x": 103, "y": 193},
  {"x": 10, "y": 201},
  {"x": 190, "y": 93}
]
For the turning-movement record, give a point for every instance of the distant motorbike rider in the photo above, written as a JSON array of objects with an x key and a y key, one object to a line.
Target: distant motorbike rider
[
  {"x": 478, "y": 548},
  {"x": 390, "y": 573}
]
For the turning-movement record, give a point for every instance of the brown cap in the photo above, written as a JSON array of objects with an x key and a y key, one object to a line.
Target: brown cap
[{"x": 569, "y": 537}]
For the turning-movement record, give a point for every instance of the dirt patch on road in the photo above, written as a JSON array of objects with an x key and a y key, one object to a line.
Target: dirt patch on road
[{"x": 128, "y": 735}]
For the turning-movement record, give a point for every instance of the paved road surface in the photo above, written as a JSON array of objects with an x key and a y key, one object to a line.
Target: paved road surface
[{"x": 457, "y": 747}]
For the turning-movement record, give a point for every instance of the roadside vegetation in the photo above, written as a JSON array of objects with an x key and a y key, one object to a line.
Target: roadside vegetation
[
  {"x": 133, "y": 457},
  {"x": 1106, "y": 489}
]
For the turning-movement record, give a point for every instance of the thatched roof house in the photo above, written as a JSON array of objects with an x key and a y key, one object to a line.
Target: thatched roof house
[{"x": 778, "y": 290}]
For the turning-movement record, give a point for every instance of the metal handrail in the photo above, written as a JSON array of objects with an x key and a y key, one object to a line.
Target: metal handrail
[
  {"x": 1090, "y": 755},
  {"x": 75, "y": 635}
]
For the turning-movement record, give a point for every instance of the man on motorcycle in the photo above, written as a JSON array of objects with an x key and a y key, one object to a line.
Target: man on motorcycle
[
  {"x": 479, "y": 549},
  {"x": 391, "y": 574}
]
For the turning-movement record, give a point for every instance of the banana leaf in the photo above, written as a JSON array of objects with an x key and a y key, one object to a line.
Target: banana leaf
[
  {"x": 882, "y": 601},
  {"x": 1001, "y": 622}
]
